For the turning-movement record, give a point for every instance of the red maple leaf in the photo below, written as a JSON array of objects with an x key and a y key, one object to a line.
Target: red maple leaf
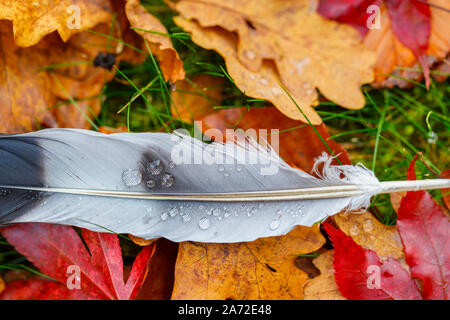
[
  {"x": 410, "y": 21},
  {"x": 59, "y": 252}
]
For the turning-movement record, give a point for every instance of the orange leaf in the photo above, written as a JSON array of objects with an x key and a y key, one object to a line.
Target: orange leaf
[{"x": 265, "y": 43}]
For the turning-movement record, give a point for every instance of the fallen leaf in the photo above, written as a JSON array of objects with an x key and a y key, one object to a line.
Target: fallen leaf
[
  {"x": 411, "y": 32},
  {"x": 32, "y": 20},
  {"x": 58, "y": 250},
  {"x": 361, "y": 275},
  {"x": 424, "y": 230},
  {"x": 195, "y": 98},
  {"x": 160, "y": 45},
  {"x": 323, "y": 287},
  {"x": 30, "y": 98},
  {"x": 265, "y": 43},
  {"x": 141, "y": 241},
  {"x": 53, "y": 82},
  {"x": 260, "y": 269}
]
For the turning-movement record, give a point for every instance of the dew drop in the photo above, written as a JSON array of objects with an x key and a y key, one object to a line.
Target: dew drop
[
  {"x": 251, "y": 211},
  {"x": 216, "y": 212},
  {"x": 164, "y": 216},
  {"x": 173, "y": 211},
  {"x": 276, "y": 92},
  {"x": 155, "y": 167},
  {"x": 167, "y": 180},
  {"x": 239, "y": 168},
  {"x": 204, "y": 223},
  {"x": 151, "y": 183},
  {"x": 227, "y": 214},
  {"x": 264, "y": 81},
  {"x": 172, "y": 165},
  {"x": 201, "y": 207},
  {"x": 4, "y": 192},
  {"x": 221, "y": 168},
  {"x": 186, "y": 217},
  {"x": 274, "y": 224},
  {"x": 354, "y": 230},
  {"x": 131, "y": 177},
  {"x": 226, "y": 174}
]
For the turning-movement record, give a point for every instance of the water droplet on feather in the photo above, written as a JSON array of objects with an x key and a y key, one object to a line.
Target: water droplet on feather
[
  {"x": 131, "y": 177},
  {"x": 167, "y": 180},
  {"x": 274, "y": 224},
  {"x": 164, "y": 216},
  {"x": 155, "y": 167},
  {"x": 173, "y": 212},
  {"x": 151, "y": 183}
]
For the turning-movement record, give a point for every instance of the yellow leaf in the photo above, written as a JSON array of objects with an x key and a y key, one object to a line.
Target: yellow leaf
[
  {"x": 323, "y": 287},
  {"x": 260, "y": 269},
  {"x": 32, "y": 20}
]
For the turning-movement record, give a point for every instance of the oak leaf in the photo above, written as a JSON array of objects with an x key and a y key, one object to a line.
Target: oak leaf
[
  {"x": 269, "y": 43},
  {"x": 160, "y": 45},
  {"x": 260, "y": 269},
  {"x": 323, "y": 287},
  {"x": 32, "y": 20}
]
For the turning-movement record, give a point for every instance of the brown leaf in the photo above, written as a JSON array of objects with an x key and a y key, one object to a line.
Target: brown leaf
[
  {"x": 391, "y": 53},
  {"x": 260, "y": 269},
  {"x": 29, "y": 97},
  {"x": 323, "y": 287},
  {"x": 265, "y": 43},
  {"x": 396, "y": 198},
  {"x": 159, "y": 282},
  {"x": 33, "y": 20},
  {"x": 160, "y": 45}
]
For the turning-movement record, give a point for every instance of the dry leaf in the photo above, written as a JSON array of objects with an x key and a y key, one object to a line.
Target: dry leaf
[
  {"x": 33, "y": 20},
  {"x": 160, "y": 45},
  {"x": 268, "y": 42},
  {"x": 195, "y": 99},
  {"x": 29, "y": 97},
  {"x": 323, "y": 287},
  {"x": 141, "y": 241},
  {"x": 391, "y": 53},
  {"x": 159, "y": 282},
  {"x": 260, "y": 269}
]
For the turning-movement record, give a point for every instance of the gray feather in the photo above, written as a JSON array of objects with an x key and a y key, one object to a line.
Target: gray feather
[{"x": 81, "y": 159}]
